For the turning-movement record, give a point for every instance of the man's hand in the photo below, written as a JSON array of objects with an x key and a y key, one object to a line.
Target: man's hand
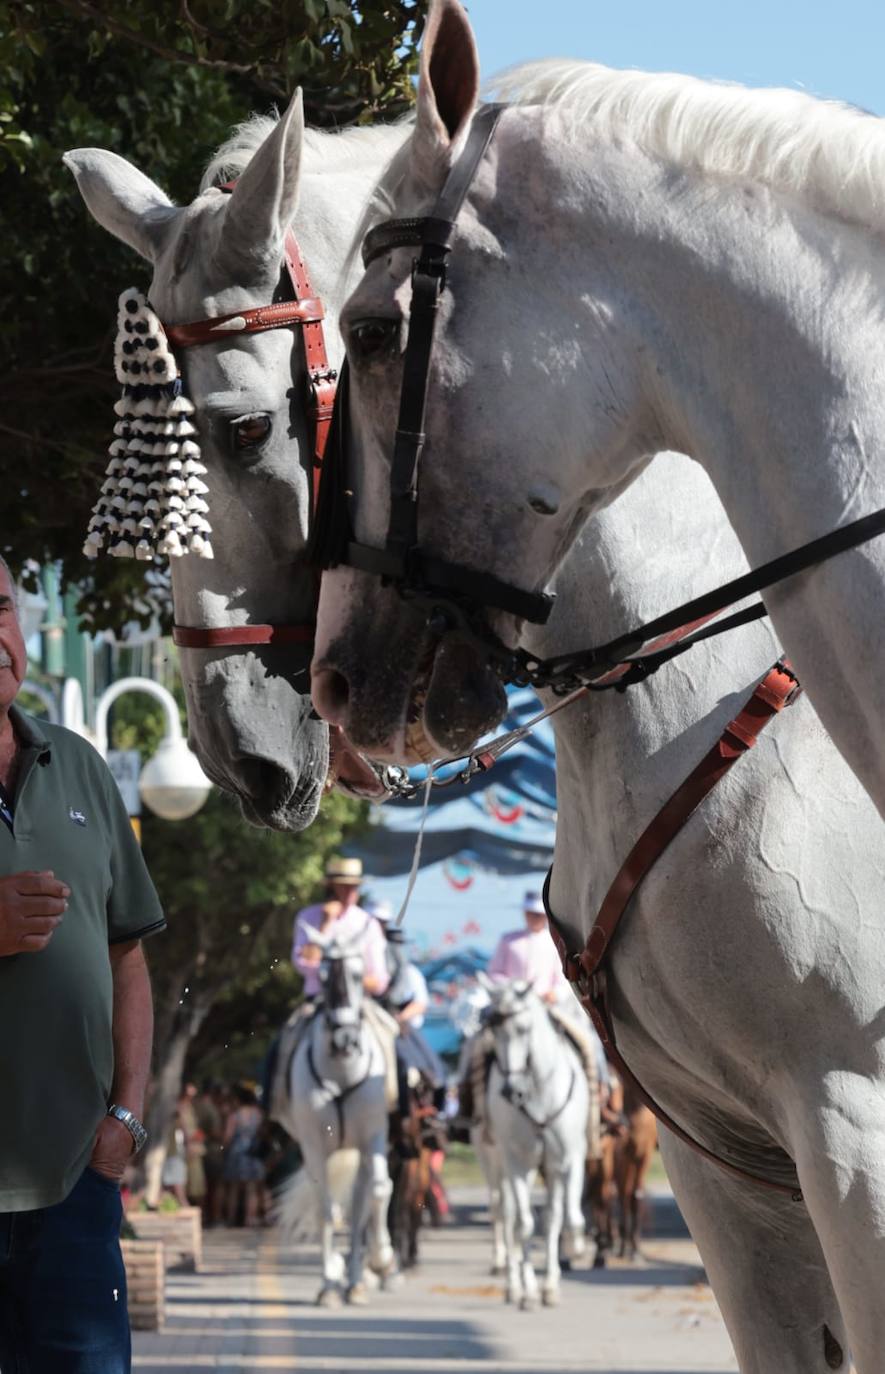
[
  {"x": 112, "y": 1150},
  {"x": 31, "y": 906}
]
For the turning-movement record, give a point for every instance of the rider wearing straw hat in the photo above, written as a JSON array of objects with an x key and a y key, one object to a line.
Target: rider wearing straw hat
[{"x": 342, "y": 915}]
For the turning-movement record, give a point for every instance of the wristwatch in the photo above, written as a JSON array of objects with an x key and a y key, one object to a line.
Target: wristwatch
[{"x": 132, "y": 1124}]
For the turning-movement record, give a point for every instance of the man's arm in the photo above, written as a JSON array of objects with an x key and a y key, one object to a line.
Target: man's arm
[{"x": 133, "y": 1032}]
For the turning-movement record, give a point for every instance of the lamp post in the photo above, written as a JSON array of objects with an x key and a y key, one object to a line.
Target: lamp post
[{"x": 172, "y": 782}]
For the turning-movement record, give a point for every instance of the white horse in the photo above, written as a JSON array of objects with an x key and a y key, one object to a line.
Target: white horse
[
  {"x": 337, "y": 1101},
  {"x": 537, "y": 1104},
  {"x": 249, "y": 715},
  {"x": 661, "y": 263},
  {"x": 746, "y": 980}
]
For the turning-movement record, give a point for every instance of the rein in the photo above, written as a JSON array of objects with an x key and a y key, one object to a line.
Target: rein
[{"x": 304, "y": 311}]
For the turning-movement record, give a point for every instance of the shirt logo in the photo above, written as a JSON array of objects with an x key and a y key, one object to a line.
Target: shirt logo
[{"x": 76, "y": 816}]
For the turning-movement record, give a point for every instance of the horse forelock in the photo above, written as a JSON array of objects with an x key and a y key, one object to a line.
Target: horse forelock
[{"x": 829, "y": 152}]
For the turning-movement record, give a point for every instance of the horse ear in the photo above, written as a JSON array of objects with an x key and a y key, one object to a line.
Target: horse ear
[
  {"x": 266, "y": 194},
  {"x": 123, "y": 200},
  {"x": 315, "y": 937},
  {"x": 448, "y": 87},
  {"x": 521, "y": 988},
  {"x": 485, "y": 981}
]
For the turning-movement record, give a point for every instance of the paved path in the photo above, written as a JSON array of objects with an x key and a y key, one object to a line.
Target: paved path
[{"x": 251, "y": 1309}]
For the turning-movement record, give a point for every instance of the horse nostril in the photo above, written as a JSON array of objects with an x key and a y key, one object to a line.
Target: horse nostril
[{"x": 331, "y": 695}]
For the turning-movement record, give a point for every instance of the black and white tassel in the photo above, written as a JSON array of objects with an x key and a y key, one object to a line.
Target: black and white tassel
[{"x": 151, "y": 500}]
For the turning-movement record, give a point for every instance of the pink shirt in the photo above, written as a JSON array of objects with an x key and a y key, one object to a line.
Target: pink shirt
[
  {"x": 354, "y": 922},
  {"x": 530, "y": 955}
]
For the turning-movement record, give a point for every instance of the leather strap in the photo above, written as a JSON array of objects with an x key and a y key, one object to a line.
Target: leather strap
[
  {"x": 234, "y": 636},
  {"x": 402, "y": 560},
  {"x": 256, "y": 320},
  {"x": 777, "y": 690}
]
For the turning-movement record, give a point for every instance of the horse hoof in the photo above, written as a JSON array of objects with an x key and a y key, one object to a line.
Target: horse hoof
[
  {"x": 599, "y": 1259},
  {"x": 357, "y": 1296},
  {"x": 329, "y": 1297},
  {"x": 497, "y": 1270},
  {"x": 527, "y": 1303},
  {"x": 550, "y": 1297}
]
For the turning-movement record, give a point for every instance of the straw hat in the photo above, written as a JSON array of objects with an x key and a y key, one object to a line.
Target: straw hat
[{"x": 345, "y": 871}]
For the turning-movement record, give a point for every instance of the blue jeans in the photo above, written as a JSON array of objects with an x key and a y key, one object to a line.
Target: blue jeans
[{"x": 63, "y": 1285}]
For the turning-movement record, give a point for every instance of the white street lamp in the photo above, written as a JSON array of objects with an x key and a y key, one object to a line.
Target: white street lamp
[{"x": 172, "y": 783}]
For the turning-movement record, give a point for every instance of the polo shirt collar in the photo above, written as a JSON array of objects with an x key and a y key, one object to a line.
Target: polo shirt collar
[{"x": 29, "y": 732}]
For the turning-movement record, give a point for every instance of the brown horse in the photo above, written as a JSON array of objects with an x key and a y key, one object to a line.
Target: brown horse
[{"x": 629, "y": 1140}]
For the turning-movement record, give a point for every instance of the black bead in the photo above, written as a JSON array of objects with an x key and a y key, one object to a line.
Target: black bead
[
  {"x": 134, "y": 367},
  {"x": 151, "y": 344},
  {"x": 141, "y": 327},
  {"x": 159, "y": 365},
  {"x": 132, "y": 305},
  {"x": 127, "y": 325}
]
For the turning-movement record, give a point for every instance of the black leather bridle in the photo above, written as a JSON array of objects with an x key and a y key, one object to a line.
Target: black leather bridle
[
  {"x": 458, "y": 595},
  {"x": 402, "y": 561}
]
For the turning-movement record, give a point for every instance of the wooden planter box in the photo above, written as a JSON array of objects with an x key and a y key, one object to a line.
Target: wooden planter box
[
  {"x": 146, "y": 1283},
  {"x": 181, "y": 1233}
]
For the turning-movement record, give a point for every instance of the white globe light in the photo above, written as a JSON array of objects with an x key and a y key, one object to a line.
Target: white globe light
[{"x": 172, "y": 783}]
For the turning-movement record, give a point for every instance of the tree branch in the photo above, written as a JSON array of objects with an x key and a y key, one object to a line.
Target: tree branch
[{"x": 84, "y": 10}]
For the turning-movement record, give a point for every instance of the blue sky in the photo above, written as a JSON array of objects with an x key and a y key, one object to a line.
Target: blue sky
[
  {"x": 833, "y": 50},
  {"x": 830, "y": 49}
]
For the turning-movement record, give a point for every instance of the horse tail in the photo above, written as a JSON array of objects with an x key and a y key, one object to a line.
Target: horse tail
[{"x": 297, "y": 1203}]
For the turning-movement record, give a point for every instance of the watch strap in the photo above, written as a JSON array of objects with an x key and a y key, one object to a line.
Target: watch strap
[{"x": 132, "y": 1124}]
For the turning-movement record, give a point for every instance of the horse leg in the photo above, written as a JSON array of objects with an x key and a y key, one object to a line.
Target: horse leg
[
  {"x": 766, "y": 1268},
  {"x": 525, "y": 1229},
  {"x": 489, "y": 1164},
  {"x": 553, "y": 1225},
  {"x": 575, "y": 1246},
  {"x": 507, "y": 1203},
  {"x": 356, "y": 1293},
  {"x": 839, "y": 1157},
  {"x": 333, "y": 1266},
  {"x": 381, "y": 1255}
]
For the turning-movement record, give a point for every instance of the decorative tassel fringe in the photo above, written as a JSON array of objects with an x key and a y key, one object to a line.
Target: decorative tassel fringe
[{"x": 151, "y": 500}]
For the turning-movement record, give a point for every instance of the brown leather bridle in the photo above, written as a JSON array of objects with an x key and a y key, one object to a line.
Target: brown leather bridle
[{"x": 305, "y": 311}]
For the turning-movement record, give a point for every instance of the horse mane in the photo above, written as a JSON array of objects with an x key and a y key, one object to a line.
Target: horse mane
[
  {"x": 324, "y": 151},
  {"x": 825, "y": 151}
]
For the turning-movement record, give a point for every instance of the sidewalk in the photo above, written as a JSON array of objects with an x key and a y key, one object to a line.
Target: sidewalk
[{"x": 251, "y": 1308}]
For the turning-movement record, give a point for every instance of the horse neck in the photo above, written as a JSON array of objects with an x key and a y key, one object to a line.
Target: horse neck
[
  {"x": 548, "y": 1065},
  {"x": 618, "y": 757},
  {"x": 763, "y": 319}
]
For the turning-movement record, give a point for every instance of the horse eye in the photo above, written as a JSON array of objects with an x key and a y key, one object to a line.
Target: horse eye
[
  {"x": 250, "y": 431},
  {"x": 369, "y": 339}
]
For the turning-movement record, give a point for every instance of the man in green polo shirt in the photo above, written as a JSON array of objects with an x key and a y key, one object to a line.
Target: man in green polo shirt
[{"x": 76, "y": 1025}]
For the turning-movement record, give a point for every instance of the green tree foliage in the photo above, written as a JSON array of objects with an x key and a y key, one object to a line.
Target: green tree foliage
[
  {"x": 160, "y": 84},
  {"x": 230, "y": 893}
]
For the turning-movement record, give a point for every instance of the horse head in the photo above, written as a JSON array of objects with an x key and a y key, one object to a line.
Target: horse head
[
  {"x": 511, "y": 1017},
  {"x": 465, "y": 473},
  {"x": 341, "y": 981},
  {"x": 250, "y": 719}
]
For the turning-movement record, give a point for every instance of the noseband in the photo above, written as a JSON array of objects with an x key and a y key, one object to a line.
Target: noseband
[{"x": 304, "y": 311}]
